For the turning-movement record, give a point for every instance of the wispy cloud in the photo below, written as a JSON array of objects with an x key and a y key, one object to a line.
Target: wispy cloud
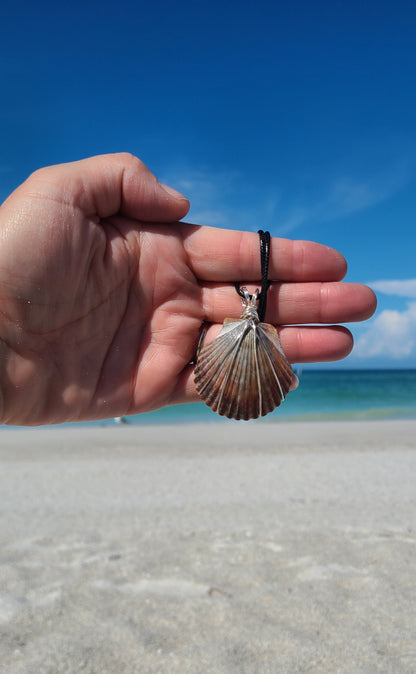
[
  {"x": 223, "y": 200},
  {"x": 350, "y": 195},
  {"x": 344, "y": 196},
  {"x": 293, "y": 219},
  {"x": 402, "y": 288},
  {"x": 204, "y": 193},
  {"x": 228, "y": 198},
  {"x": 211, "y": 218}
]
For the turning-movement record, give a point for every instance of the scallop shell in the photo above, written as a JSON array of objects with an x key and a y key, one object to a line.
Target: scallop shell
[{"x": 243, "y": 373}]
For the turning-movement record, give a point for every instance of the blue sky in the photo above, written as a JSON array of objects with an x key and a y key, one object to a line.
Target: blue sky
[{"x": 297, "y": 117}]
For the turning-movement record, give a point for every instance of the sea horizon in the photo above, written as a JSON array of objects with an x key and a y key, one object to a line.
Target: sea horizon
[{"x": 327, "y": 394}]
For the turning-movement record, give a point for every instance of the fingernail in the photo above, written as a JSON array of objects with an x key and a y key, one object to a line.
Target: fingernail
[
  {"x": 173, "y": 193},
  {"x": 294, "y": 383}
]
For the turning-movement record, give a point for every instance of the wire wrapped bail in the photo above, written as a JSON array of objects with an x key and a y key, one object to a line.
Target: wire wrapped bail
[{"x": 265, "y": 283}]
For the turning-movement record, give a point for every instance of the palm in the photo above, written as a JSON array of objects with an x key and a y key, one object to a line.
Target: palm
[
  {"x": 101, "y": 322},
  {"x": 156, "y": 317}
]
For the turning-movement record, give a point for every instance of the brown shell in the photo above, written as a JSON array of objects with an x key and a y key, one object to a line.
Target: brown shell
[{"x": 243, "y": 373}]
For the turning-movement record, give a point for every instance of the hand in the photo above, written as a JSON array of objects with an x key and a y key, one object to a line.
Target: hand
[{"x": 103, "y": 293}]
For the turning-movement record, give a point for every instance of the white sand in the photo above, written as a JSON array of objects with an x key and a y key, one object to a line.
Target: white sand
[{"x": 222, "y": 548}]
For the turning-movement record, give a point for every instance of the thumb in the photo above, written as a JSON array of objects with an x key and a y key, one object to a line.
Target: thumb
[
  {"x": 145, "y": 198},
  {"x": 109, "y": 184}
]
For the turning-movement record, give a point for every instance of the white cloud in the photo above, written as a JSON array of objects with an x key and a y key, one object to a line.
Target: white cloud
[
  {"x": 402, "y": 288},
  {"x": 391, "y": 334}
]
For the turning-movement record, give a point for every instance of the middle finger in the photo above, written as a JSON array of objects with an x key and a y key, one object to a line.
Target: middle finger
[{"x": 294, "y": 303}]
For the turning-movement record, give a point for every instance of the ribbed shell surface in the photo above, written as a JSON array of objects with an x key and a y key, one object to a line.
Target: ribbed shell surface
[{"x": 243, "y": 373}]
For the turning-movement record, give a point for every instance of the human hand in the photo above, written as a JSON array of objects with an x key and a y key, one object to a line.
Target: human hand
[{"x": 103, "y": 293}]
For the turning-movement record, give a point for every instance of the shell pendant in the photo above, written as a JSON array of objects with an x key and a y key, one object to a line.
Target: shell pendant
[{"x": 243, "y": 373}]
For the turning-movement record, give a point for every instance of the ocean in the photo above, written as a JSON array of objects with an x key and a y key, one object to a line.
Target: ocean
[{"x": 322, "y": 395}]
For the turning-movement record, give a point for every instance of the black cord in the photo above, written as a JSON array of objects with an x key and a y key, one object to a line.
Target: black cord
[{"x": 265, "y": 283}]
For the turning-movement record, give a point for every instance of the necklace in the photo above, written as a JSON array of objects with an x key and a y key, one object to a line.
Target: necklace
[{"x": 243, "y": 373}]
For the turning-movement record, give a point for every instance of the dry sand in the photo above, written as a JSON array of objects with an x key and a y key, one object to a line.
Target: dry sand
[{"x": 222, "y": 548}]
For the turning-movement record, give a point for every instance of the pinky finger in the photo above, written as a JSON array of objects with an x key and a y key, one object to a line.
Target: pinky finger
[
  {"x": 313, "y": 344},
  {"x": 306, "y": 344}
]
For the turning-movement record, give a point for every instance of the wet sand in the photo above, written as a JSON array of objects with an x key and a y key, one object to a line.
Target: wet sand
[{"x": 216, "y": 548}]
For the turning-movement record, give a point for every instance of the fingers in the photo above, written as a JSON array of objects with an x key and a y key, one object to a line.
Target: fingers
[
  {"x": 301, "y": 345},
  {"x": 227, "y": 255},
  {"x": 291, "y": 303},
  {"x": 109, "y": 184}
]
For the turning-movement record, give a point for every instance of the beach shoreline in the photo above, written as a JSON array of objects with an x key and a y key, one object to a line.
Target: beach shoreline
[
  {"x": 286, "y": 432},
  {"x": 272, "y": 547}
]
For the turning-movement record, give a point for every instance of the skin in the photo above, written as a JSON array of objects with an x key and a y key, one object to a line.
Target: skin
[{"x": 103, "y": 293}]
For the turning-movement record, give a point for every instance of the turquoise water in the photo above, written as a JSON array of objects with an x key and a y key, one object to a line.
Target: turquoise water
[
  {"x": 322, "y": 395},
  {"x": 353, "y": 394}
]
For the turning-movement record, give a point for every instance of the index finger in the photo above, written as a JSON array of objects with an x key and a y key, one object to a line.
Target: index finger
[{"x": 228, "y": 255}]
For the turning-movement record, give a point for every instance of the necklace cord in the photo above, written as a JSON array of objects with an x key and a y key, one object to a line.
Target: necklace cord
[
  {"x": 265, "y": 282},
  {"x": 264, "y": 261}
]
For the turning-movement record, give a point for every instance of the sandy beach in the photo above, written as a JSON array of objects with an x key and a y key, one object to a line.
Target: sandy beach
[{"x": 214, "y": 548}]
